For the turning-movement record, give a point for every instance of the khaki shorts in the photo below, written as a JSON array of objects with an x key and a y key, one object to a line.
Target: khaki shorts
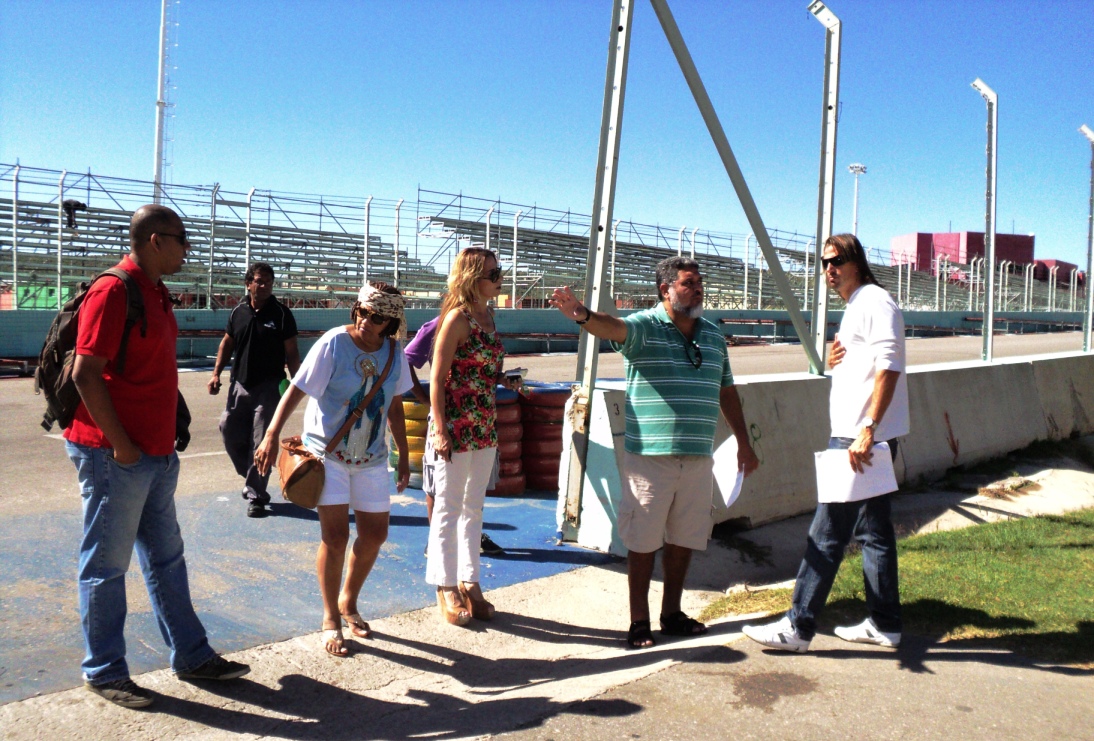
[{"x": 666, "y": 499}]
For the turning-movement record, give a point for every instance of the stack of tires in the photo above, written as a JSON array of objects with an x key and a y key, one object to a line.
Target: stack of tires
[
  {"x": 416, "y": 430},
  {"x": 511, "y": 481},
  {"x": 542, "y": 407}
]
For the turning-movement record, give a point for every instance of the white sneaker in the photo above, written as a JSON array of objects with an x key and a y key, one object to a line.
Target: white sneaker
[
  {"x": 867, "y": 632},
  {"x": 781, "y": 636}
]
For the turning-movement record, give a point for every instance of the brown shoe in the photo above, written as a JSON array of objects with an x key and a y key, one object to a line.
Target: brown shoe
[
  {"x": 472, "y": 595},
  {"x": 455, "y": 613}
]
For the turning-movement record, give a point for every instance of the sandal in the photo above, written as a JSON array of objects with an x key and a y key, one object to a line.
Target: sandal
[
  {"x": 455, "y": 614},
  {"x": 679, "y": 624},
  {"x": 480, "y": 608},
  {"x": 639, "y": 635},
  {"x": 333, "y": 643},
  {"x": 357, "y": 625}
]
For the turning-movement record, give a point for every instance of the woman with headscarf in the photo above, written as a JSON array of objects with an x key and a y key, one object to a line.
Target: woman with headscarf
[
  {"x": 339, "y": 372},
  {"x": 467, "y": 356}
]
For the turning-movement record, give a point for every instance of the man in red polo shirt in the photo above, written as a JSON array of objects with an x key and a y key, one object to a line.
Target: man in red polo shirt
[{"x": 122, "y": 442}]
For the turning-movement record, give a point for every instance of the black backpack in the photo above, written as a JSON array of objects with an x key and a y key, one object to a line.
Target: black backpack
[{"x": 53, "y": 377}]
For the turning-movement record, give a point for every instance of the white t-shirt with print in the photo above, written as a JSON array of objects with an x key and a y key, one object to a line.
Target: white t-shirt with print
[
  {"x": 872, "y": 332},
  {"x": 332, "y": 377}
]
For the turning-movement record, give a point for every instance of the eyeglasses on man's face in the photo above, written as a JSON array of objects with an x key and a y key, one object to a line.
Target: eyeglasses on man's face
[
  {"x": 837, "y": 261},
  {"x": 181, "y": 237}
]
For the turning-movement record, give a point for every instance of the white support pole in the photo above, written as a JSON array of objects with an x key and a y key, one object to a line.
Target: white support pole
[
  {"x": 212, "y": 243},
  {"x": 937, "y": 280},
  {"x": 805, "y": 274},
  {"x": 826, "y": 187},
  {"x": 15, "y": 239},
  {"x": 760, "y": 280},
  {"x": 368, "y": 238},
  {"x": 247, "y": 234},
  {"x": 899, "y": 282},
  {"x": 733, "y": 170},
  {"x": 615, "y": 239},
  {"x": 489, "y": 213},
  {"x": 693, "y": 242},
  {"x": 516, "y": 227},
  {"x": 161, "y": 108},
  {"x": 992, "y": 101},
  {"x": 398, "y": 206},
  {"x": 1027, "y": 285},
  {"x": 607, "y": 162},
  {"x": 60, "y": 231},
  {"x": 1052, "y": 287},
  {"x": 945, "y": 284},
  {"x": 1071, "y": 286},
  {"x": 1088, "y": 314},
  {"x": 680, "y": 242},
  {"x": 856, "y": 169}
]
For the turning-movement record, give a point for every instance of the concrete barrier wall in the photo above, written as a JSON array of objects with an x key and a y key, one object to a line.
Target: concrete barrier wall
[{"x": 961, "y": 414}]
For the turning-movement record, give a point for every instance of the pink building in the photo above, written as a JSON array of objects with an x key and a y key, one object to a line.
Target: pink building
[
  {"x": 1041, "y": 269},
  {"x": 921, "y": 249}
]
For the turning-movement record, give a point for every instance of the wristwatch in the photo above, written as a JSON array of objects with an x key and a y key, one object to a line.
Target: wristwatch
[
  {"x": 869, "y": 424},
  {"x": 588, "y": 315}
]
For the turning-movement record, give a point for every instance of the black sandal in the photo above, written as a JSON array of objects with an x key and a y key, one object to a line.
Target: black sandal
[
  {"x": 679, "y": 624},
  {"x": 639, "y": 635}
]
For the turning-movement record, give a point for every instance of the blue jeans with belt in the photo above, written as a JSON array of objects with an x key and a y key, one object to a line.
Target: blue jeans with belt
[
  {"x": 125, "y": 506},
  {"x": 870, "y": 523}
]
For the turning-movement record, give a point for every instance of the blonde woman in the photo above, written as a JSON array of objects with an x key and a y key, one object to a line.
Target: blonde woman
[
  {"x": 467, "y": 357},
  {"x": 340, "y": 372}
]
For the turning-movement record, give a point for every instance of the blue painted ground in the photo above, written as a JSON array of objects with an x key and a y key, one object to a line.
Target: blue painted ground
[{"x": 252, "y": 581}]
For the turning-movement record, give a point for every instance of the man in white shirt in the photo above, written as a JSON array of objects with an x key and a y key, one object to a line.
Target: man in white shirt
[{"x": 868, "y": 405}]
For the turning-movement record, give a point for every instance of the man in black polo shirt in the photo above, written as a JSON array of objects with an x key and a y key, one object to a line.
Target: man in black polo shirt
[{"x": 262, "y": 334}]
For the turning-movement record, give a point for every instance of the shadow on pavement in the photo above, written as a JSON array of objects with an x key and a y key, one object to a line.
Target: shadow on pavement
[{"x": 321, "y": 711}]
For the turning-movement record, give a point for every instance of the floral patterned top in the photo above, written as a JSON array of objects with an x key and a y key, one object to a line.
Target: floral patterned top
[{"x": 470, "y": 390}]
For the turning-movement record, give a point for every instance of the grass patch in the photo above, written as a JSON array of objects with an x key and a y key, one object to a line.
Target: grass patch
[
  {"x": 744, "y": 603},
  {"x": 1027, "y": 584}
]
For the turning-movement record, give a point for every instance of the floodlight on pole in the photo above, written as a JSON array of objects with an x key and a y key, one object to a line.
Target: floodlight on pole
[
  {"x": 1088, "y": 315},
  {"x": 992, "y": 101},
  {"x": 856, "y": 169},
  {"x": 827, "y": 179}
]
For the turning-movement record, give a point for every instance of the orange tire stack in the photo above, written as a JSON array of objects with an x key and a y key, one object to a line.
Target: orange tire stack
[
  {"x": 542, "y": 407},
  {"x": 511, "y": 480}
]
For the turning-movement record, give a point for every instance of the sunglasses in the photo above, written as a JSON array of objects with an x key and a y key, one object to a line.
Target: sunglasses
[
  {"x": 181, "y": 237},
  {"x": 373, "y": 316},
  {"x": 838, "y": 261},
  {"x": 697, "y": 361},
  {"x": 494, "y": 275}
]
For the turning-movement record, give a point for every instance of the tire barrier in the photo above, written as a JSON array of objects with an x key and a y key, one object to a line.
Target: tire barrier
[
  {"x": 542, "y": 411},
  {"x": 510, "y": 467},
  {"x": 510, "y": 433},
  {"x": 416, "y": 428},
  {"x": 415, "y": 480},
  {"x": 508, "y": 486},
  {"x": 541, "y": 465},
  {"x": 542, "y": 447},
  {"x": 509, "y": 414},
  {"x": 415, "y": 410},
  {"x": 415, "y": 458},
  {"x": 510, "y": 451}
]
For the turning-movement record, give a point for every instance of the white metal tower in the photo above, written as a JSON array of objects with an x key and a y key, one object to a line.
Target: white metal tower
[{"x": 168, "y": 41}]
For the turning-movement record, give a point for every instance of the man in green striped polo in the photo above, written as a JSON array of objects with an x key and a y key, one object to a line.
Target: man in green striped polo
[{"x": 678, "y": 381}]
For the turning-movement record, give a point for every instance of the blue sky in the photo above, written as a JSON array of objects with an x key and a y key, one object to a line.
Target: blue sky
[{"x": 504, "y": 99}]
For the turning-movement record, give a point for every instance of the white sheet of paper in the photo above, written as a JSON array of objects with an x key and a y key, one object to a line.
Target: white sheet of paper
[
  {"x": 838, "y": 482},
  {"x": 729, "y": 479}
]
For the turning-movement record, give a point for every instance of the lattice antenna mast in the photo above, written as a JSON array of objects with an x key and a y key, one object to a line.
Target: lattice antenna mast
[{"x": 168, "y": 35}]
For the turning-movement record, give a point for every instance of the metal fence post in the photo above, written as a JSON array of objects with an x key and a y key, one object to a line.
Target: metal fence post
[
  {"x": 368, "y": 236},
  {"x": 516, "y": 233},
  {"x": 212, "y": 242},
  {"x": 15, "y": 239},
  {"x": 398, "y": 206},
  {"x": 1088, "y": 315},
  {"x": 60, "y": 231},
  {"x": 247, "y": 234},
  {"x": 992, "y": 101}
]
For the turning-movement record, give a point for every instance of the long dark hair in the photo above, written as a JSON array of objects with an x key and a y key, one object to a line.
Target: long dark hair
[{"x": 848, "y": 246}]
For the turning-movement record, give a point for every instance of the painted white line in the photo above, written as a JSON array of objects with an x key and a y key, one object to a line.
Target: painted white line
[{"x": 201, "y": 455}]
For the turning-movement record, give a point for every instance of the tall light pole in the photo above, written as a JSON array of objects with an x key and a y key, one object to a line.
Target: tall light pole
[
  {"x": 1089, "y": 313},
  {"x": 992, "y": 99},
  {"x": 856, "y": 170},
  {"x": 826, "y": 191}
]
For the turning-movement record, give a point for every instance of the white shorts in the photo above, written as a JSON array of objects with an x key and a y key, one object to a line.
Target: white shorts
[
  {"x": 366, "y": 489},
  {"x": 666, "y": 499}
]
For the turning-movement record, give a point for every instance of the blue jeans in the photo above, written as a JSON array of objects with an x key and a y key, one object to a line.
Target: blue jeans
[
  {"x": 123, "y": 506},
  {"x": 868, "y": 522}
]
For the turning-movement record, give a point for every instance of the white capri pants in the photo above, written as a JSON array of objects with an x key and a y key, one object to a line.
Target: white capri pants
[{"x": 456, "y": 529}]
